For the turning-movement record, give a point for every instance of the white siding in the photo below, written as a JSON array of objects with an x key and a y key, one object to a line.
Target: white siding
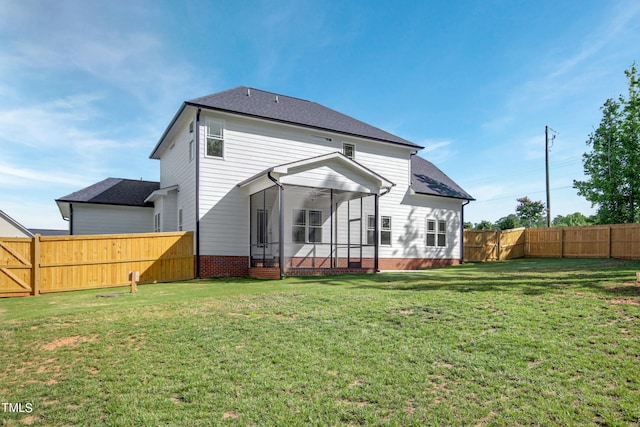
[
  {"x": 178, "y": 168},
  {"x": 110, "y": 219},
  {"x": 251, "y": 146},
  {"x": 9, "y": 230}
]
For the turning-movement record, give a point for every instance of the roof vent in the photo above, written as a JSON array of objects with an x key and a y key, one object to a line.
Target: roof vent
[
  {"x": 249, "y": 92},
  {"x": 276, "y": 99}
]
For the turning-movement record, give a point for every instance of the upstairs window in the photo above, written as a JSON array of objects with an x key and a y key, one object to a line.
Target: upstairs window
[
  {"x": 215, "y": 138},
  {"x": 349, "y": 150}
]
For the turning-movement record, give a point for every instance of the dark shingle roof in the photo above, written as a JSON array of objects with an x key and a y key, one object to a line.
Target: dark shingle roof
[
  {"x": 281, "y": 108},
  {"x": 115, "y": 191},
  {"x": 426, "y": 178}
]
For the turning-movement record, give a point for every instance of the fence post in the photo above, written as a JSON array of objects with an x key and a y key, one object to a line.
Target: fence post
[
  {"x": 561, "y": 242},
  {"x": 35, "y": 265},
  {"x": 499, "y": 236}
]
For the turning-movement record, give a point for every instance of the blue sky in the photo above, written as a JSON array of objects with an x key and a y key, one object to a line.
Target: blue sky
[{"x": 88, "y": 87}]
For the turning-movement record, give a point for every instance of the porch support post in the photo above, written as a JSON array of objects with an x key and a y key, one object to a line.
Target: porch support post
[
  {"x": 331, "y": 230},
  {"x": 376, "y": 199},
  {"x": 281, "y": 230}
]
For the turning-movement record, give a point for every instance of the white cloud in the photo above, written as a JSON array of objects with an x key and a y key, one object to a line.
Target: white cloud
[{"x": 436, "y": 151}]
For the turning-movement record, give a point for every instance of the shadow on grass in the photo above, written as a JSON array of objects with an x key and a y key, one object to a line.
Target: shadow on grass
[{"x": 609, "y": 277}]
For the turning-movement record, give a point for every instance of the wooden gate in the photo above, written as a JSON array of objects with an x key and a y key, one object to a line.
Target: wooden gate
[{"x": 15, "y": 266}]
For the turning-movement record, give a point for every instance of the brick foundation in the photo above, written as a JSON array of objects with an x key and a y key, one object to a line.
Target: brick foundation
[
  {"x": 414, "y": 263},
  {"x": 224, "y": 266},
  {"x": 238, "y": 266}
]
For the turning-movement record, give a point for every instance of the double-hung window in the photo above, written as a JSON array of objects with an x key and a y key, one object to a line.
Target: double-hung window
[
  {"x": 385, "y": 230},
  {"x": 215, "y": 138},
  {"x": 157, "y": 226},
  {"x": 436, "y": 233},
  {"x": 306, "y": 226}
]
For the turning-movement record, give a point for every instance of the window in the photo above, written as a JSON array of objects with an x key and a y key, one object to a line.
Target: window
[
  {"x": 191, "y": 150},
  {"x": 349, "y": 150},
  {"x": 215, "y": 138},
  {"x": 299, "y": 226},
  {"x": 156, "y": 223},
  {"x": 442, "y": 233},
  {"x": 261, "y": 229},
  {"x": 191, "y": 126},
  {"x": 436, "y": 236},
  {"x": 306, "y": 226},
  {"x": 371, "y": 230},
  {"x": 385, "y": 230},
  {"x": 180, "y": 220},
  {"x": 315, "y": 226}
]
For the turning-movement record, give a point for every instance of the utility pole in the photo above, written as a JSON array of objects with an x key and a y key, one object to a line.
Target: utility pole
[{"x": 546, "y": 158}]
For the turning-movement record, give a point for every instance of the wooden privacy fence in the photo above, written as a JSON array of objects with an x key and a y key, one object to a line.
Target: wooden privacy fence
[
  {"x": 31, "y": 266},
  {"x": 494, "y": 245},
  {"x": 601, "y": 241}
]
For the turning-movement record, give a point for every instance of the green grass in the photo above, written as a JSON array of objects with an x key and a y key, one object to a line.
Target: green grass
[{"x": 525, "y": 342}]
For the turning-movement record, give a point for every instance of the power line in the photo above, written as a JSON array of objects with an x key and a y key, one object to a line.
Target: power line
[{"x": 520, "y": 194}]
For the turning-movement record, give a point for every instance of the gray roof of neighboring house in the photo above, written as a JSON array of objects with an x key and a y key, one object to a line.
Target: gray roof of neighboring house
[
  {"x": 285, "y": 109},
  {"x": 426, "y": 178},
  {"x": 49, "y": 232},
  {"x": 115, "y": 191}
]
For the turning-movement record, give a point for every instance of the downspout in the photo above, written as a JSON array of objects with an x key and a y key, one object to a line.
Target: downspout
[
  {"x": 71, "y": 219},
  {"x": 280, "y": 222},
  {"x": 462, "y": 231},
  {"x": 197, "y": 154}
]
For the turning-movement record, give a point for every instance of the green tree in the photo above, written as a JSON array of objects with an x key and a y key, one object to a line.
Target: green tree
[
  {"x": 484, "y": 225},
  {"x": 508, "y": 222},
  {"x": 571, "y": 220},
  {"x": 612, "y": 165},
  {"x": 531, "y": 214}
]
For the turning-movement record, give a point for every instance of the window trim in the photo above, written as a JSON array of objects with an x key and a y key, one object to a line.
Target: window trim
[
  {"x": 386, "y": 230},
  {"x": 353, "y": 148},
  {"x": 219, "y": 137},
  {"x": 157, "y": 224},
  {"x": 306, "y": 225},
  {"x": 438, "y": 232}
]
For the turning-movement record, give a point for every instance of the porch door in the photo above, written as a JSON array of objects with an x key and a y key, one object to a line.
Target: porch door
[{"x": 262, "y": 231}]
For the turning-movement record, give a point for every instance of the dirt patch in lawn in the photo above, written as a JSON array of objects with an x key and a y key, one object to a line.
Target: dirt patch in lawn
[
  {"x": 624, "y": 301},
  {"x": 67, "y": 342}
]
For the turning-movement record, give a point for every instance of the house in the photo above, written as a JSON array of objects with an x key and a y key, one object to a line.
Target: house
[
  {"x": 274, "y": 185},
  {"x": 9, "y": 227},
  {"x": 111, "y": 206}
]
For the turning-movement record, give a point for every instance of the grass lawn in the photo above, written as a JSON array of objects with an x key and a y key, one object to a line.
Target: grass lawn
[{"x": 524, "y": 342}]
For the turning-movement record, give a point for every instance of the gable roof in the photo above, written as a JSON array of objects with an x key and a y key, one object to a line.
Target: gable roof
[
  {"x": 427, "y": 179},
  {"x": 314, "y": 162},
  {"x": 114, "y": 191},
  {"x": 260, "y": 104}
]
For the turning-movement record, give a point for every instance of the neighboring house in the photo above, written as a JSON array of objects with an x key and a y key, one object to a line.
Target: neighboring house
[
  {"x": 274, "y": 185},
  {"x": 111, "y": 206},
  {"x": 9, "y": 227}
]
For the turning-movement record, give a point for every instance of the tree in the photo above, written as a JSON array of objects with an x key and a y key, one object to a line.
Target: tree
[
  {"x": 571, "y": 220},
  {"x": 614, "y": 160},
  {"x": 530, "y": 213},
  {"x": 508, "y": 222},
  {"x": 484, "y": 225}
]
